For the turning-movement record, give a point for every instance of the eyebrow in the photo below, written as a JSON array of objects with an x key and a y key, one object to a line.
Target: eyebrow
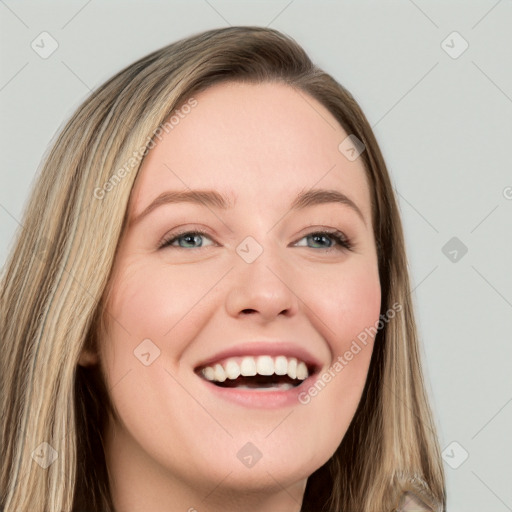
[{"x": 213, "y": 199}]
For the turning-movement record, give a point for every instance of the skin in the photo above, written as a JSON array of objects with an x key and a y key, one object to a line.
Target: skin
[{"x": 174, "y": 446}]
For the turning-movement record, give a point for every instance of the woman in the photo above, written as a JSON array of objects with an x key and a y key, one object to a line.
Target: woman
[{"x": 252, "y": 371}]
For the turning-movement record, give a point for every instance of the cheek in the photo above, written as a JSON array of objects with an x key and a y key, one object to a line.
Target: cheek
[
  {"x": 156, "y": 302},
  {"x": 348, "y": 304},
  {"x": 349, "y": 308},
  {"x": 153, "y": 310},
  {"x": 140, "y": 313}
]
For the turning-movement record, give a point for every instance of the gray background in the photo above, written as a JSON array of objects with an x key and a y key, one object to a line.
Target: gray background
[{"x": 443, "y": 123}]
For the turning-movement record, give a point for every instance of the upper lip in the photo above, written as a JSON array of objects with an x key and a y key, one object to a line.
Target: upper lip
[{"x": 262, "y": 348}]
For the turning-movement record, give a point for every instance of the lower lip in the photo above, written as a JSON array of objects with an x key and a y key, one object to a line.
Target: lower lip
[{"x": 261, "y": 399}]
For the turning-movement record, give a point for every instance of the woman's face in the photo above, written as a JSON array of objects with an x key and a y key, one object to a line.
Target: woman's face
[{"x": 264, "y": 280}]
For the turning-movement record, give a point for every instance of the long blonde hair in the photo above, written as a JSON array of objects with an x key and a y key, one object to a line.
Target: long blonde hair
[{"x": 55, "y": 285}]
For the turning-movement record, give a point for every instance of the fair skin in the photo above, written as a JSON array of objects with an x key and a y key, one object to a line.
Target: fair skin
[{"x": 175, "y": 445}]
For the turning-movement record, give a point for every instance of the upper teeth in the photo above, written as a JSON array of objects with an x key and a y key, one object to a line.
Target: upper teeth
[{"x": 262, "y": 365}]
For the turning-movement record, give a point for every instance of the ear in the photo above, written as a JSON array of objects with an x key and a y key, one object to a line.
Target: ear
[
  {"x": 88, "y": 358},
  {"x": 89, "y": 354}
]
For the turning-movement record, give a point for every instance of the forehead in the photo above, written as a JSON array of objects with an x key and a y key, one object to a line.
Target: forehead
[{"x": 257, "y": 144}]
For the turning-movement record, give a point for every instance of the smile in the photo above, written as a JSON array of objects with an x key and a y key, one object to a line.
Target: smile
[
  {"x": 262, "y": 381},
  {"x": 263, "y": 372}
]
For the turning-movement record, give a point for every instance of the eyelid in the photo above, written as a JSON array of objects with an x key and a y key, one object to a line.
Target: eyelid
[
  {"x": 342, "y": 240},
  {"x": 168, "y": 238}
]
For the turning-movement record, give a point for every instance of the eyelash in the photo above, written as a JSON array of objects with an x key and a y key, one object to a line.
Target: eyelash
[{"x": 344, "y": 244}]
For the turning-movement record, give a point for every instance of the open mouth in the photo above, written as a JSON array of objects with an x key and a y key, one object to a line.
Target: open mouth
[
  {"x": 281, "y": 382},
  {"x": 257, "y": 373}
]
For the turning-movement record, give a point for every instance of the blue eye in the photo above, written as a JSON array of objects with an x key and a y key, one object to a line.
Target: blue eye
[
  {"x": 186, "y": 235},
  {"x": 339, "y": 238},
  {"x": 191, "y": 237}
]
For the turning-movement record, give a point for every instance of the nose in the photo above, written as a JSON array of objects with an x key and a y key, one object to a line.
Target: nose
[{"x": 263, "y": 288}]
